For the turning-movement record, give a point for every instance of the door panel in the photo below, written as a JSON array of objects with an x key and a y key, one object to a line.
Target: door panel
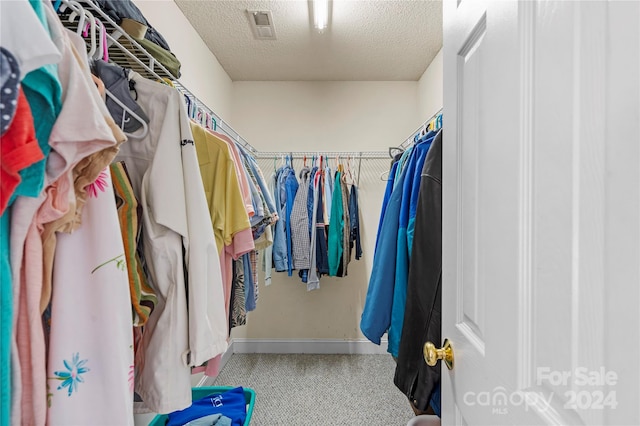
[
  {"x": 541, "y": 212},
  {"x": 470, "y": 92}
]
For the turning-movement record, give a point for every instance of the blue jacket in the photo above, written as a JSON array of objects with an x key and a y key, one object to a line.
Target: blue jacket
[
  {"x": 280, "y": 259},
  {"x": 291, "y": 188},
  {"x": 387, "y": 292},
  {"x": 376, "y": 315},
  {"x": 386, "y": 198}
]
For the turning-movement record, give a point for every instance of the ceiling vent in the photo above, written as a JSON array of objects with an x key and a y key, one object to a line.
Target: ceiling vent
[{"x": 261, "y": 22}]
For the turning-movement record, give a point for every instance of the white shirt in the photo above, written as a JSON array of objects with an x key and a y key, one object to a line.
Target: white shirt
[
  {"x": 22, "y": 34},
  {"x": 181, "y": 332}
]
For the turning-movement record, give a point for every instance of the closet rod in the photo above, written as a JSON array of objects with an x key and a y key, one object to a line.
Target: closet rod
[
  {"x": 364, "y": 155},
  {"x": 221, "y": 124},
  {"x": 408, "y": 141},
  {"x": 137, "y": 58}
]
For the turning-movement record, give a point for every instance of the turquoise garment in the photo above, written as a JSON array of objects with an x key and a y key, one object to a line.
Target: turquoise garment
[
  {"x": 43, "y": 91},
  {"x": 336, "y": 229},
  {"x": 6, "y": 321}
]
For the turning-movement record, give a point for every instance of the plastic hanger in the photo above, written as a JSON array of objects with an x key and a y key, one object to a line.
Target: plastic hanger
[
  {"x": 212, "y": 123},
  {"x": 126, "y": 109},
  {"x": 76, "y": 12},
  {"x": 102, "y": 51},
  {"x": 349, "y": 173},
  {"x": 88, "y": 30}
]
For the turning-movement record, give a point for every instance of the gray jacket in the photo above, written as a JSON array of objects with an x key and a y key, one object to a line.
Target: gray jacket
[{"x": 300, "y": 224}]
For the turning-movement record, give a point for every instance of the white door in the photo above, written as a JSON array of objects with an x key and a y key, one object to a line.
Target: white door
[{"x": 541, "y": 216}]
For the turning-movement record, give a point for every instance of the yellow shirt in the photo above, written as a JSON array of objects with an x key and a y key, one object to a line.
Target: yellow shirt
[{"x": 222, "y": 189}]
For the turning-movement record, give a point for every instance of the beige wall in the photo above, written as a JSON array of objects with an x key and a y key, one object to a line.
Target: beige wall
[
  {"x": 430, "y": 88},
  {"x": 351, "y": 115},
  {"x": 202, "y": 74},
  {"x": 329, "y": 116}
]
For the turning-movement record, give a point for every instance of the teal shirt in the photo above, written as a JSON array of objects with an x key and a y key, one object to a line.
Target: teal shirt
[{"x": 336, "y": 229}]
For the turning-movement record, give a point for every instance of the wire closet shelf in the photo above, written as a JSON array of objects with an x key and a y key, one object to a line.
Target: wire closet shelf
[
  {"x": 411, "y": 138},
  {"x": 125, "y": 51}
]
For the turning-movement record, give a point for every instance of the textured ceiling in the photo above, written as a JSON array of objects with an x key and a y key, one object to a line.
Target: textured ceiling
[{"x": 366, "y": 39}]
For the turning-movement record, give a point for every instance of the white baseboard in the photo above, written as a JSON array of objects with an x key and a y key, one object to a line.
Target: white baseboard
[
  {"x": 307, "y": 346},
  {"x": 297, "y": 346}
]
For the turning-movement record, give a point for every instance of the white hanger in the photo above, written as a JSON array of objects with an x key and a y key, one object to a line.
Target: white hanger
[
  {"x": 78, "y": 11},
  {"x": 92, "y": 34},
  {"x": 145, "y": 127},
  {"x": 101, "y": 42}
]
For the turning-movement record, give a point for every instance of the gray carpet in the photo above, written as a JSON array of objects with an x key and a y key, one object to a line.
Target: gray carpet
[{"x": 308, "y": 389}]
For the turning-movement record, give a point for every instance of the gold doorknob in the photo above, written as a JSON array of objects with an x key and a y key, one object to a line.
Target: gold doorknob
[{"x": 433, "y": 354}]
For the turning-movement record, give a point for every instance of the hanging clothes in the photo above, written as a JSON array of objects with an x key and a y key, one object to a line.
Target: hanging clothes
[
  {"x": 90, "y": 363},
  {"x": 346, "y": 248},
  {"x": 189, "y": 324},
  {"x": 291, "y": 188},
  {"x": 139, "y": 233},
  {"x": 410, "y": 187},
  {"x": 423, "y": 313},
  {"x": 239, "y": 309},
  {"x": 354, "y": 220},
  {"x": 328, "y": 194},
  {"x": 143, "y": 297},
  {"x": 322, "y": 249},
  {"x": 314, "y": 280},
  {"x": 243, "y": 179},
  {"x": 300, "y": 227},
  {"x": 336, "y": 229},
  {"x": 317, "y": 246},
  {"x": 376, "y": 314},
  {"x": 85, "y": 161},
  {"x": 43, "y": 90},
  {"x": 227, "y": 209},
  {"x": 19, "y": 148},
  {"x": 386, "y": 296},
  {"x": 26, "y": 38},
  {"x": 280, "y": 252},
  {"x": 70, "y": 141}
]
